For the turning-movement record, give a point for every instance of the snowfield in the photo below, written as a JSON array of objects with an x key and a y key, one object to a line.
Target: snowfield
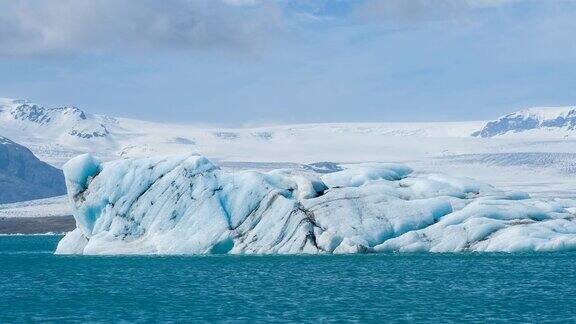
[
  {"x": 186, "y": 204},
  {"x": 48, "y": 207},
  {"x": 539, "y": 134}
]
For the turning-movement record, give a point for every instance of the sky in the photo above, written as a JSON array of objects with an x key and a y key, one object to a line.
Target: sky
[{"x": 254, "y": 62}]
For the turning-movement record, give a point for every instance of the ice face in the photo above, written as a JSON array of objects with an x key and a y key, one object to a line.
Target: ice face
[
  {"x": 79, "y": 170},
  {"x": 187, "y": 205}
]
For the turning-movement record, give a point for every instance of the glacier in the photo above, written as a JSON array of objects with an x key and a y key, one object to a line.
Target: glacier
[{"x": 185, "y": 204}]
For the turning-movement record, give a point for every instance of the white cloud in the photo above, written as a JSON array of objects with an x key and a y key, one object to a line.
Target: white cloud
[
  {"x": 38, "y": 27},
  {"x": 242, "y": 2},
  {"x": 423, "y": 10}
]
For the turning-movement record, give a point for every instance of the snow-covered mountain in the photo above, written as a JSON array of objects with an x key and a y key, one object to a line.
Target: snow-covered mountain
[
  {"x": 547, "y": 121},
  {"x": 55, "y": 134},
  {"x": 64, "y": 123},
  {"x": 24, "y": 177},
  {"x": 52, "y": 135},
  {"x": 58, "y": 134}
]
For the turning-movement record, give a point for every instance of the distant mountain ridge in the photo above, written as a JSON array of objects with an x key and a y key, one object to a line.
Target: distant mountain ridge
[
  {"x": 72, "y": 121},
  {"x": 548, "y": 118},
  {"x": 57, "y": 134},
  {"x": 60, "y": 133},
  {"x": 24, "y": 177}
]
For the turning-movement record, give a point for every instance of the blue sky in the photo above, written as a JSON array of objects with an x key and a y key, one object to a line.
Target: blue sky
[{"x": 246, "y": 62}]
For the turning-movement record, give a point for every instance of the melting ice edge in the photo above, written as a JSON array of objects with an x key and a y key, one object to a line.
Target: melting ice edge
[{"x": 187, "y": 205}]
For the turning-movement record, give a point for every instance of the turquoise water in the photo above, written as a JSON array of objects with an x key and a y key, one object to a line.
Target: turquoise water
[{"x": 35, "y": 285}]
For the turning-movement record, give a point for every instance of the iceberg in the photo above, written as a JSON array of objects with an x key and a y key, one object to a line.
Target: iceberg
[{"x": 185, "y": 204}]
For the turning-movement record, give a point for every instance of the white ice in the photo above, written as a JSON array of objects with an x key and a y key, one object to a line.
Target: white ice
[{"x": 187, "y": 205}]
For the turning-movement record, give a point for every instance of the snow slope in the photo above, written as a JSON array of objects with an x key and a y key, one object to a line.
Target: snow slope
[
  {"x": 62, "y": 121},
  {"x": 57, "y": 134},
  {"x": 47, "y": 207},
  {"x": 187, "y": 205}
]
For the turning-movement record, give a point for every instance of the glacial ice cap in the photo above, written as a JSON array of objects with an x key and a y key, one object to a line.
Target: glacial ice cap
[{"x": 187, "y": 205}]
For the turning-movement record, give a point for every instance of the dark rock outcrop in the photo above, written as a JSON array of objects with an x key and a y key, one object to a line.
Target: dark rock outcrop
[{"x": 25, "y": 177}]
